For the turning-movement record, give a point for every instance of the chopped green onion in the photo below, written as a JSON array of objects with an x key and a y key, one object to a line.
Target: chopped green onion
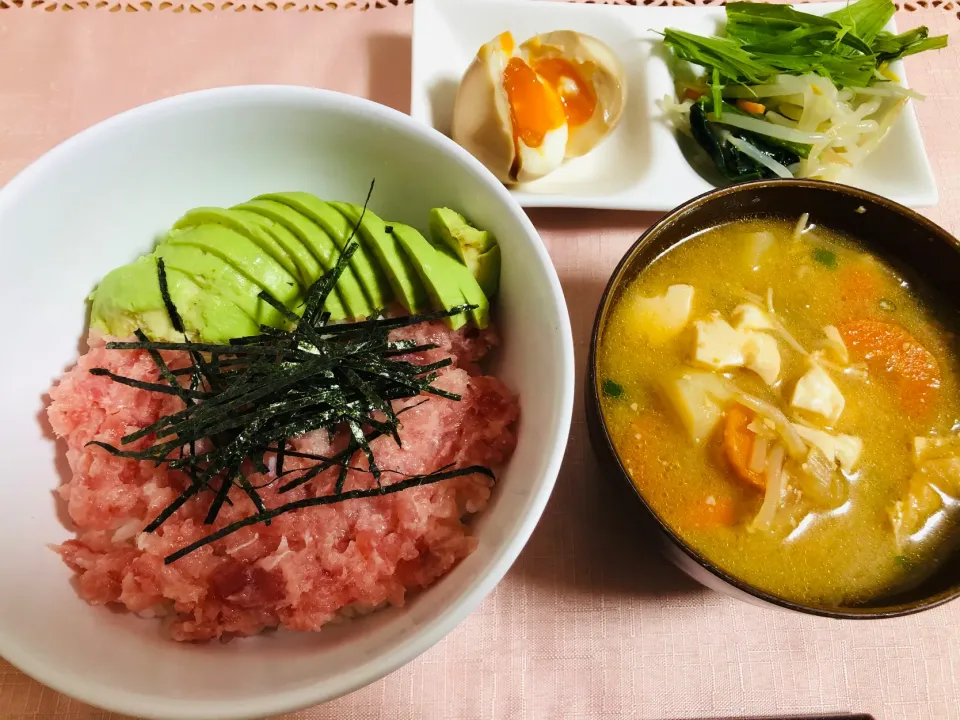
[
  {"x": 825, "y": 257},
  {"x": 612, "y": 389}
]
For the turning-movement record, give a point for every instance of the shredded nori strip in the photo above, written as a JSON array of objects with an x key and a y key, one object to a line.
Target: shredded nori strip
[
  {"x": 245, "y": 399},
  {"x": 175, "y": 318}
]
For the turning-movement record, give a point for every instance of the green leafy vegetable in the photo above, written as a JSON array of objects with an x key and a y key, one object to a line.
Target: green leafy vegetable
[
  {"x": 764, "y": 45},
  {"x": 890, "y": 47},
  {"x": 764, "y": 40},
  {"x": 759, "y": 23},
  {"x": 865, "y": 18},
  {"x": 722, "y": 54},
  {"x": 612, "y": 389},
  {"x": 825, "y": 257},
  {"x": 731, "y": 162},
  {"x": 800, "y": 150}
]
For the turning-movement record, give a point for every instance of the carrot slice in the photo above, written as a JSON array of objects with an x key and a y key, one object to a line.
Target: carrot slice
[
  {"x": 754, "y": 108},
  {"x": 891, "y": 351},
  {"x": 711, "y": 512},
  {"x": 738, "y": 442},
  {"x": 692, "y": 94},
  {"x": 860, "y": 288}
]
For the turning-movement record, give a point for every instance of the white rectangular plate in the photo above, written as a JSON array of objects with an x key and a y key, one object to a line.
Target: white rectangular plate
[{"x": 640, "y": 166}]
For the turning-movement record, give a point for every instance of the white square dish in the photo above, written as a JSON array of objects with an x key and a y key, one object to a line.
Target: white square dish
[{"x": 641, "y": 165}]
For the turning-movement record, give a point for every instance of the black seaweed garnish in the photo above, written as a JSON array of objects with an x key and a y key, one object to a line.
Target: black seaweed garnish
[{"x": 244, "y": 400}]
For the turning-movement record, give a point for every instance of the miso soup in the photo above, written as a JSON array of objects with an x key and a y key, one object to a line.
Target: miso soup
[{"x": 790, "y": 406}]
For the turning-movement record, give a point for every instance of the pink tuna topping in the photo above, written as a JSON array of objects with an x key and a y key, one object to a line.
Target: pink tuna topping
[{"x": 308, "y": 566}]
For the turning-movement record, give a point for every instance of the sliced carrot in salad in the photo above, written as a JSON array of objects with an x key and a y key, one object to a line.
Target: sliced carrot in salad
[
  {"x": 738, "y": 440},
  {"x": 754, "y": 108},
  {"x": 891, "y": 351}
]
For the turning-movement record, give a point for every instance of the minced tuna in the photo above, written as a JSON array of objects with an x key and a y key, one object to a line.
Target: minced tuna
[{"x": 308, "y": 567}]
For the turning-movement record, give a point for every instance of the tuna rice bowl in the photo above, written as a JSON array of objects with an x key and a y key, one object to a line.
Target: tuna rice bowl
[{"x": 284, "y": 417}]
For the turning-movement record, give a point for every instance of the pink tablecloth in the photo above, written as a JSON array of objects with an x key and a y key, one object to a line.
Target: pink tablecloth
[{"x": 588, "y": 623}]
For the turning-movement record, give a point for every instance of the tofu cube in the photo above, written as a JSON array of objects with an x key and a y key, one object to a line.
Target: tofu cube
[
  {"x": 663, "y": 317},
  {"x": 920, "y": 446},
  {"x": 817, "y": 394},
  {"x": 750, "y": 317},
  {"x": 849, "y": 449},
  {"x": 843, "y": 450},
  {"x": 925, "y": 448},
  {"x": 698, "y": 398},
  {"x": 717, "y": 345},
  {"x": 761, "y": 355}
]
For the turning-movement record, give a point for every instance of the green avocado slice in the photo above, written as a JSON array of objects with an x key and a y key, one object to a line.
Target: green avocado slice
[
  {"x": 129, "y": 298},
  {"x": 320, "y": 245},
  {"x": 449, "y": 265},
  {"x": 212, "y": 274},
  {"x": 308, "y": 268},
  {"x": 370, "y": 274},
  {"x": 247, "y": 257},
  {"x": 207, "y": 314},
  {"x": 401, "y": 273},
  {"x": 238, "y": 223},
  {"x": 443, "y": 288},
  {"x": 477, "y": 249}
]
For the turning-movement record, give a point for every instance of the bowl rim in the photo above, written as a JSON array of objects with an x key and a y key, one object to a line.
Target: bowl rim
[
  {"x": 593, "y": 397},
  {"x": 501, "y": 559}
]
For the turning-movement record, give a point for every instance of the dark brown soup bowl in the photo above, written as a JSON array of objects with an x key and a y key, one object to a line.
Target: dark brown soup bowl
[{"x": 909, "y": 242}]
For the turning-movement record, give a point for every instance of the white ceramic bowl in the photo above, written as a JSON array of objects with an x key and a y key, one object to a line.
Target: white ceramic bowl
[{"x": 98, "y": 201}]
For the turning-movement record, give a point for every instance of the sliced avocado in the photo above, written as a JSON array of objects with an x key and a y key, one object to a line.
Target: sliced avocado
[
  {"x": 447, "y": 264},
  {"x": 477, "y": 249},
  {"x": 400, "y": 271},
  {"x": 213, "y": 274},
  {"x": 308, "y": 268},
  {"x": 208, "y": 315},
  {"x": 311, "y": 236},
  {"x": 243, "y": 254},
  {"x": 238, "y": 223},
  {"x": 364, "y": 265},
  {"x": 129, "y": 298},
  {"x": 442, "y": 287},
  {"x": 486, "y": 269}
]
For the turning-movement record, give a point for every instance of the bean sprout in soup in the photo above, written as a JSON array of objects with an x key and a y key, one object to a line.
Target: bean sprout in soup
[{"x": 789, "y": 406}]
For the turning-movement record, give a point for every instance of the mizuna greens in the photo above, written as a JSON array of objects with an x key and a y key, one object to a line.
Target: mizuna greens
[{"x": 789, "y": 94}]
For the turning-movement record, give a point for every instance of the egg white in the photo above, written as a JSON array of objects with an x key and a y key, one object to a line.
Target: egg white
[
  {"x": 535, "y": 163},
  {"x": 481, "y": 112}
]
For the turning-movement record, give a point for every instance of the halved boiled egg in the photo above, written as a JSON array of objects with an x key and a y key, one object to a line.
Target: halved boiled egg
[
  {"x": 508, "y": 116},
  {"x": 589, "y": 79},
  {"x": 521, "y": 111}
]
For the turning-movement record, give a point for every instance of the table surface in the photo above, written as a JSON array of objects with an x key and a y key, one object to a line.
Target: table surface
[{"x": 589, "y": 623}]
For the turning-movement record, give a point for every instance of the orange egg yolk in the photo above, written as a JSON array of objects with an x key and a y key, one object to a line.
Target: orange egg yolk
[
  {"x": 535, "y": 108},
  {"x": 577, "y": 95}
]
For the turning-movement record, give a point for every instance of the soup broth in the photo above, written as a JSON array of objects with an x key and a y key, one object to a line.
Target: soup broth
[{"x": 788, "y": 405}]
